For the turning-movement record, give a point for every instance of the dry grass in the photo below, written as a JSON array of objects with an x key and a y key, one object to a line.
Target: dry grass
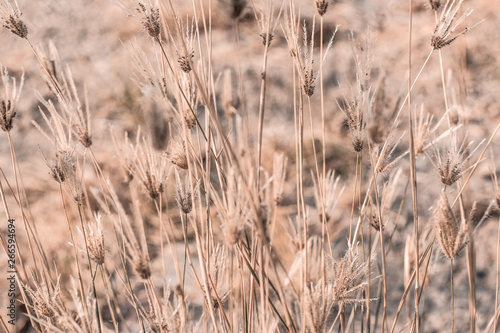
[{"x": 239, "y": 166}]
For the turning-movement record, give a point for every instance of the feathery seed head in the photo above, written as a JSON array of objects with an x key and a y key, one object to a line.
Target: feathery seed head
[
  {"x": 267, "y": 21},
  {"x": 150, "y": 17},
  {"x": 183, "y": 197},
  {"x": 183, "y": 43},
  {"x": 318, "y": 304},
  {"x": 177, "y": 155},
  {"x": 451, "y": 163},
  {"x": 451, "y": 236},
  {"x": 11, "y": 19},
  {"x": 348, "y": 275},
  {"x": 44, "y": 297},
  {"x": 444, "y": 33},
  {"x": 9, "y": 100},
  {"x": 95, "y": 240}
]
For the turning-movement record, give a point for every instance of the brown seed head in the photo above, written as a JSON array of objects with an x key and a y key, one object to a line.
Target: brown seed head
[
  {"x": 141, "y": 266},
  {"x": 444, "y": 33},
  {"x": 177, "y": 155},
  {"x": 185, "y": 62},
  {"x": 451, "y": 237},
  {"x": 309, "y": 80},
  {"x": 322, "y": 6},
  {"x": 95, "y": 241},
  {"x": 150, "y": 18},
  {"x": 16, "y": 26},
  {"x": 11, "y": 19},
  {"x": 435, "y": 4}
]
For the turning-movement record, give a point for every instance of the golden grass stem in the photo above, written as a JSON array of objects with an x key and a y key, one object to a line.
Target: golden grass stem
[
  {"x": 452, "y": 298},
  {"x": 410, "y": 283},
  {"x": 497, "y": 280}
]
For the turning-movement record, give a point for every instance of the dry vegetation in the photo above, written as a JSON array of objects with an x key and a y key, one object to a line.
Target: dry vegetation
[{"x": 250, "y": 166}]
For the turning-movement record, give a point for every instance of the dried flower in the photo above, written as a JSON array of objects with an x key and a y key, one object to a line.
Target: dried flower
[
  {"x": 444, "y": 33},
  {"x": 267, "y": 21},
  {"x": 12, "y": 19},
  {"x": 9, "y": 101}
]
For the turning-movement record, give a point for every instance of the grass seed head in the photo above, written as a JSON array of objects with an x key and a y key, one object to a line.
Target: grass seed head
[
  {"x": 9, "y": 100},
  {"x": 321, "y": 6},
  {"x": 177, "y": 155},
  {"x": 11, "y": 19},
  {"x": 95, "y": 241},
  {"x": 444, "y": 33},
  {"x": 184, "y": 200},
  {"x": 451, "y": 236},
  {"x": 150, "y": 15}
]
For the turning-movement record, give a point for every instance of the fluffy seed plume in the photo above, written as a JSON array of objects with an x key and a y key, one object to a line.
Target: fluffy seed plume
[
  {"x": 9, "y": 99},
  {"x": 11, "y": 19},
  {"x": 348, "y": 275},
  {"x": 444, "y": 33}
]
